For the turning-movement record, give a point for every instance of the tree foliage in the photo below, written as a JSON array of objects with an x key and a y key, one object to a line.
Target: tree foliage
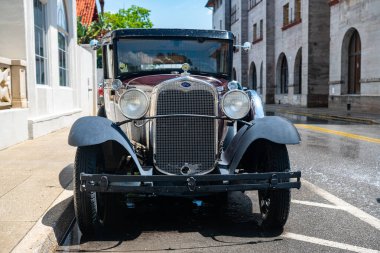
[
  {"x": 133, "y": 17},
  {"x": 95, "y": 30}
]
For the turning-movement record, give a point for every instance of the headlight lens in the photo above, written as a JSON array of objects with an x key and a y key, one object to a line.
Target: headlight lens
[
  {"x": 235, "y": 104},
  {"x": 134, "y": 103}
]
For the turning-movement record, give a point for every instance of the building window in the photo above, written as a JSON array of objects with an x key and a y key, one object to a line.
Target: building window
[
  {"x": 40, "y": 41},
  {"x": 297, "y": 6},
  {"x": 253, "y": 3},
  {"x": 261, "y": 29},
  {"x": 234, "y": 16},
  {"x": 284, "y": 81},
  {"x": 286, "y": 14},
  {"x": 298, "y": 73},
  {"x": 253, "y": 76},
  {"x": 236, "y": 42},
  {"x": 254, "y": 32},
  {"x": 261, "y": 79},
  {"x": 220, "y": 24},
  {"x": 354, "y": 63},
  {"x": 62, "y": 44}
]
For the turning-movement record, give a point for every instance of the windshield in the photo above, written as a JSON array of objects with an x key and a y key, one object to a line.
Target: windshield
[{"x": 163, "y": 55}]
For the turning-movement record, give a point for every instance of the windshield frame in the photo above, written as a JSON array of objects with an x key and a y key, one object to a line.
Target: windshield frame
[{"x": 119, "y": 75}]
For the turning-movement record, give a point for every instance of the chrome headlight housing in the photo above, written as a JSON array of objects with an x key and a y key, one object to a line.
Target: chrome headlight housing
[
  {"x": 235, "y": 104},
  {"x": 134, "y": 103}
]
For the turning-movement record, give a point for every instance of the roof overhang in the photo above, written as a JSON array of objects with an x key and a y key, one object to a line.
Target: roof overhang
[{"x": 210, "y": 4}]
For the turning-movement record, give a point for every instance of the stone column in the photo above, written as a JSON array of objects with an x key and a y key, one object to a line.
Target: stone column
[{"x": 18, "y": 77}]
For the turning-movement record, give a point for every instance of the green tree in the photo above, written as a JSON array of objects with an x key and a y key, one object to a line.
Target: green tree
[
  {"x": 133, "y": 17},
  {"x": 95, "y": 30}
]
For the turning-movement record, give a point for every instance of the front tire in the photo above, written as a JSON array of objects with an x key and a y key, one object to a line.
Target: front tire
[
  {"x": 91, "y": 209},
  {"x": 274, "y": 204}
]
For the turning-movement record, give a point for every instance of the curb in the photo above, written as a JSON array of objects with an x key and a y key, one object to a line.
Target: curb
[
  {"x": 51, "y": 228},
  {"x": 331, "y": 117}
]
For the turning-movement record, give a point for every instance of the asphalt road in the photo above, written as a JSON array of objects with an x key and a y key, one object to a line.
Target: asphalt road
[{"x": 336, "y": 210}]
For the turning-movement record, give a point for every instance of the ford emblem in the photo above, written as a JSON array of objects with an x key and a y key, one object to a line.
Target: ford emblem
[{"x": 185, "y": 85}]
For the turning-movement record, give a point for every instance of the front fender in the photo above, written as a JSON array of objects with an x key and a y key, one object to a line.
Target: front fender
[
  {"x": 92, "y": 130},
  {"x": 257, "y": 109},
  {"x": 272, "y": 128}
]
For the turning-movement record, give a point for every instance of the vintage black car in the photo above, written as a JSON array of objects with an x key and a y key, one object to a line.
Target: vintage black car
[{"x": 175, "y": 124}]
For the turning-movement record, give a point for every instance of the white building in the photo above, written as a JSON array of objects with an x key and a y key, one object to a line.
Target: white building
[{"x": 51, "y": 79}]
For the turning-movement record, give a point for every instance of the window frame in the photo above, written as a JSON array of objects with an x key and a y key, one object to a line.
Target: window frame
[
  {"x": 64, "y": 52},
  {"x": 285, "y": 14},
  {"x": 297, "y": 10},
  {"x": 44, "y": 57},
  {"x": 253, "y": 3},
  {"x": 234, "y": 16}
]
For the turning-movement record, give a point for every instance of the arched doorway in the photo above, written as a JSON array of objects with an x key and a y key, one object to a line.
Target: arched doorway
[
  {"x": 298, "y": 73},
  {"x": 282, "y": 82},
  {"x": 354, "y": 64},
  {"x": 252, "y": 76}
]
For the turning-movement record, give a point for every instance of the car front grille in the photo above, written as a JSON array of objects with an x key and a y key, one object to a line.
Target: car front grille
[{"x": 185, "y": 145}]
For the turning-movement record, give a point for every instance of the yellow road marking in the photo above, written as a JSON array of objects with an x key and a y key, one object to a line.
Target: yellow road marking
[{"x": 344, "y": 134}]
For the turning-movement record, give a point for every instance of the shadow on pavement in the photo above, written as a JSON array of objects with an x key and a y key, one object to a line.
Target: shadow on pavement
[
  {"x": 66, "y": 176},
  {"x": 211, "y": 220},
  {"x": 60, "y": 217}
]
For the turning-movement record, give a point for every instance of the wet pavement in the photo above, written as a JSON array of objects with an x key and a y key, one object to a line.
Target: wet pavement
[
  {"x": 301, "y": 119},
  {"x": 336, "y": 210}
]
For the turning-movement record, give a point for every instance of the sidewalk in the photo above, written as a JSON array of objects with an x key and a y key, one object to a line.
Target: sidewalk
[
  {"x": 325, "y": 113},
  {"x": 33, "y": 175}
]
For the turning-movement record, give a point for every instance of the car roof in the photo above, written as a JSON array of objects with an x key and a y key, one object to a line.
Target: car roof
[{"x": 161, "y": 32}]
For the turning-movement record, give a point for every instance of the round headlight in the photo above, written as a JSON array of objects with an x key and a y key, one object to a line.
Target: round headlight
[
  {"x": 235, "y": 104},
  {"x": 134, "y": 103}
]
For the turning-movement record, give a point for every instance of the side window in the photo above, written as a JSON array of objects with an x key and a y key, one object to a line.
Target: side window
[
  {"x": 107, "y": 62},
  {"x": 104, "y": 57}
]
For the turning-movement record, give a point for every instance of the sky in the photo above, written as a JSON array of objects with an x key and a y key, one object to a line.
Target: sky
[{"x": 169, "y": 13}]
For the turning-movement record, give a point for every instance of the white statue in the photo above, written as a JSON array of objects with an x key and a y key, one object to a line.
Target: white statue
[{"x": 5, "y": 93}]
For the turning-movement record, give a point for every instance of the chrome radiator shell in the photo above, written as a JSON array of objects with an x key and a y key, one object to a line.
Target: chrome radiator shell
[{"x": 185, "y": 142}]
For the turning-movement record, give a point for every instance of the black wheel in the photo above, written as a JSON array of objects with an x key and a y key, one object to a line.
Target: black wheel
[
  {"x": 102, "y": 112},
  {"x": 219, "y": 200},
  {"x": 274, "y": 204},
  {"x": 91, "y": 209}
]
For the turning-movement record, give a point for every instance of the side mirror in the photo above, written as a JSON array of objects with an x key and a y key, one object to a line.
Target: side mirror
[
  {"x": 246, "y": 46},
  {"x": 94, "y": 44}
]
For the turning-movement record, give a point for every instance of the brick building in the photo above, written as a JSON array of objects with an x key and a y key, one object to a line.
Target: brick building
[
  {"x": 293, "y": 60},
  {"x": 355, "y": 55}
]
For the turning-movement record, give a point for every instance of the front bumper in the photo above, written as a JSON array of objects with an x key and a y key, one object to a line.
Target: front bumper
[{"x": 197, "y": 184}]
